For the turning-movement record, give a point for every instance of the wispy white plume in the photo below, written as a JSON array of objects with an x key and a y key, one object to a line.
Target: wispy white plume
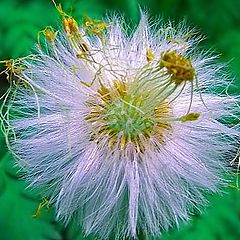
[{"x": 124, "y": 132}]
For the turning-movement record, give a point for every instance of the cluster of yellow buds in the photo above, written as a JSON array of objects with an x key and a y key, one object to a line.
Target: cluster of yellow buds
[
  {"x": 178, "y": 66},
  {"x": 70, "y": 25},
  {"x": 74, "y": 35}
]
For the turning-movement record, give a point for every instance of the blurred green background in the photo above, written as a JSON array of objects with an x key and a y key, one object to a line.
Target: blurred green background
[{"x": 20, "y": 21}]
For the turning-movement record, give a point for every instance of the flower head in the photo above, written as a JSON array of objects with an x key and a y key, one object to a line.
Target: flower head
[{"x": 122, "y": 132}]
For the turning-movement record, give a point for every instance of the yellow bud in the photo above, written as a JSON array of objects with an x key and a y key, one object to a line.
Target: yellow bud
[
  {"x": 149, "y": 55},
  {"x": 70, "y": 25},
  {"x": 189, "y": 117},
  {"x": 178, "y": 66},
  {"x": 50, "y": 35}
]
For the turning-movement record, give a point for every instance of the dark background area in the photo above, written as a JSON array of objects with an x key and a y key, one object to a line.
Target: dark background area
[{"x": 20, "y": 22}]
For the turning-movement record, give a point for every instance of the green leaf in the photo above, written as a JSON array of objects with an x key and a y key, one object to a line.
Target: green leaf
[
  {"x": 219, "y": 221},
  {"x": 20, "y": 24},
  {"x": 85, "y": 7},
  {"x": 17, "y": 207},
  {"x": 74, "y": 232}
]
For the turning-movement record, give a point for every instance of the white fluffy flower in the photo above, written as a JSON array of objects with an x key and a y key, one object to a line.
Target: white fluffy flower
[{"x": 123, "y": 132}]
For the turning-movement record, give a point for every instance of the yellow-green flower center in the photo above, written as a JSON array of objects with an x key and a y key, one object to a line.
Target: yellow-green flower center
[{"x": 123, "y": 119}]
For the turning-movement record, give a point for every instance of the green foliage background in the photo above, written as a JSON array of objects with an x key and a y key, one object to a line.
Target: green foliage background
[{"x": 20, "y": 22}]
